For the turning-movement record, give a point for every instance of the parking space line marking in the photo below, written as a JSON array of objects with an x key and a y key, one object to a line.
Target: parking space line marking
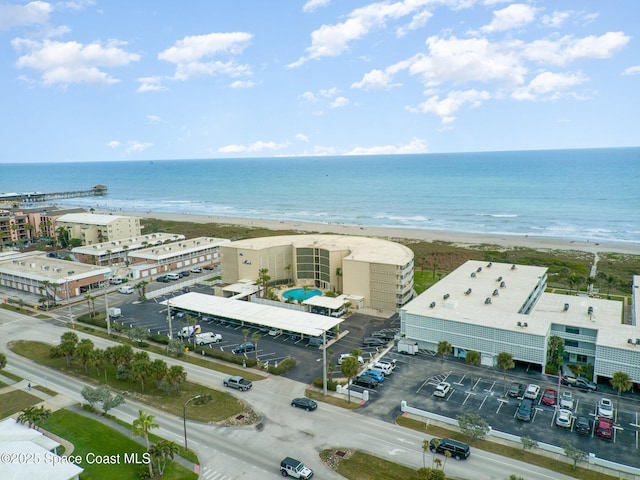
[
  {"x": 459, "y": 382},
  {"x": 476, "y": 384},
  {"x": 483, "y": 400}
]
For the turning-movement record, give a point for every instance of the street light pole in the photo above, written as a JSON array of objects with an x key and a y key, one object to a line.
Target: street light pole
[
  {"x": 169, "y": 320},
  {"x": 69, "y": 273},
  {"x": 184, "y": 418},
  {"x": 324, "y": 363},
  {"x": 106, "y": 306}
]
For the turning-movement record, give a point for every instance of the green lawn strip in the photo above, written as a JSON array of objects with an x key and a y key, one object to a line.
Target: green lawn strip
[
  {"x": 161, "y": 350},
  {"x": 2, "y": 384},
  {"x": 11, "y": 376},
  {"x": 16, "y": 401},
  {"x": 362, "y": 466},
  {"x": 225, "y": 405},
  {"x": 329, "y": 398},
  {"x": 46, "y": 390},
  {"x": 526, "y": 456},
  {"x": 92, "y": 437}
]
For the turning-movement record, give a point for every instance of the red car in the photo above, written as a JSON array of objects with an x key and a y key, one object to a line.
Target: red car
[
  {"x": 550, "y": 397},
  {"x": 604, "y": 428}
]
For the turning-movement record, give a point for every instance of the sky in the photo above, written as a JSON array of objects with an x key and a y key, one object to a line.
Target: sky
[{"x": 92, "y": 80}]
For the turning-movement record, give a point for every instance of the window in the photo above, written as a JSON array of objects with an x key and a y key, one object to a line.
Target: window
[
  {"x": 571, "y": 343},
  {"x": 573, "y": 330},
  {"x": 581, "y": 358}
]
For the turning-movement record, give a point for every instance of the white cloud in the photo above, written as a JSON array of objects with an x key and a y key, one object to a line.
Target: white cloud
[
  {"x": 375, "y": 80},
  {"x": 635, "y": 70},
  {"x": 134, "y": 146},
  {"x": 515, "y": 15},
  {"x": 150, "y": 84},
  {"x": 447, "y": 107},
  {"x": 242, "y": 84},
  {"x": 418, "y": 21},
  {"x": 339, "y": 102},
  {"x": 312, "y": 5},
  {"x": 567, "y": 49},
  {"x": 417, "y": 145},
  {"x": 310, "y": 97},
  {"x": 114, "y": 144},
  {"x": 556, "y": 19},
  {"x": 191, "y": 53},
  {"x": 33, "y": 13},
  {"x": 333, "y": 40},
  {"x": 154, "y": 119},
  {"x": 256, "y": 147},
  {"x": 549, "y": 86},
  {"x": 302, "y": 137},
  {"x": 71, "y": 62}
]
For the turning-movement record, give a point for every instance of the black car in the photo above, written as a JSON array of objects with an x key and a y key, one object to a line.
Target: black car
[
  {"x": 363, "y": 381},
  {"x": 516, "y": 390},
  {"x": 373, "y": 342},
  {"x": 458, "y": 450},
  {"x": 582, "y": 426},
  {"x": 162, "y": 279},
  {"x": 585, "y": 384},
  {"x": 304, "y": 402},
  {"x": 184, "y": 273},
  {"x": 244, "y": 348},
  {"x": 386, "y": 335},
  {"x": 208, "y": 267},
  {"x": 525, "y": 410}
]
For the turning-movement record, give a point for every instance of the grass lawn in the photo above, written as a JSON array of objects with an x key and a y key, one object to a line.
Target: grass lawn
[
  {"x": 16, "y": 401},
  {"x": 338, "y": 402},
  {"x": 506, "y": 451},
  {"x": 225, "y": 405},
  {"x": 362, "y": 466},
  {"x": 91, "y": 436}
]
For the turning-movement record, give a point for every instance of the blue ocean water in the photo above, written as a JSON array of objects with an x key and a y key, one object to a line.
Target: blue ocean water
[{"x": 591, "y": 194}]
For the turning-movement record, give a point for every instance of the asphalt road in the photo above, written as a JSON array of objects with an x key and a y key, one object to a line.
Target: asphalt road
[{"x": 249, "y": 453}]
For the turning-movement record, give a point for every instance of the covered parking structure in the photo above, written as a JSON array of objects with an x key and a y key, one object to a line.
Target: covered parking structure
[{"x": 247, "y": 313}]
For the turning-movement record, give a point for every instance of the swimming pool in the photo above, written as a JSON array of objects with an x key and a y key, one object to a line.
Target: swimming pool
[{"x": 299, "y": 293}]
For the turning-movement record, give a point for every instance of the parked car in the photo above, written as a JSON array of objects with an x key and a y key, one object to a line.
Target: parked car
[
  {"x": 364, "y": 381},
  {"x": 564, "y": 418},
  {"x": 375, "y": 374},
  {"x": 585, "y": 384},
  {"x": 184, "y": 273},
  {"x": 196, "y": 270},
  {"x": 390, "y": 364},
  {"x": 173, "y": 276},
  {"x": 604, "y": 428},
  {"x": 532, "y": 391},
  {"x": 127, "y": 289},
  {"x": 162, "y": 279},
  {"x": 549, "y": 397},
  {"x": 458, "y": 450},
  {"x": 582, "y": 425},
  {"x": 566, "y": 400},
  {"x": 305, "y": 403},
  {"x": 386, "y": 335},
  {"x": 274, "y": 332},
  {"x": 244, "y": 348},
  {"x": 442, "y": 389},
  {"x": 209, "y": 267},
  {"x": 516, "y": 390},
  {"x": 373, "y": 342},
  {"x": 314, "y": 342},
  {"x": 605, "y": 408},
  {"x": 525, "y": 410},
  {"x": 345, "y": 355}
]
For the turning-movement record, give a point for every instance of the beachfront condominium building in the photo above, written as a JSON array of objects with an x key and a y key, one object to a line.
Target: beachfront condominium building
[
  {"x": 117, "y": 251},
  {"x": 496, "y": 307},
  {"x": 379, "y": 271},
  {"x": 97, "y": 228},
  {"x": 22, "y": 226},
  {"x": 149, "y": 262}
]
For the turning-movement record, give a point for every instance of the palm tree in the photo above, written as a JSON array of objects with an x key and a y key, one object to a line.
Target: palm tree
[
  {"x": 245, "y": 333},
  {"x": 67, "y": 346},
  {"x": 141, "y": 427},
  {"x": 473, "y": 357},
  {"x": 142, "y": 289},
  {"x": 610, "y": 281},
  {"x": 263, "y": 279},
  {"x": 349, "y": 368},
  {"x": 621, "y": 382},
  {"x": 176, "y": 376},
  {"x": 425, "y": 449},
  {"x": 161, "y": 452},
  {"x": 444, "y": 348},
  {"x": 91, "y": 301},
  {"x": 255, "y": 337},
  {"x": 83, "y": 352},
  {"x": 505, "y": 362},
  {"x": 141, "y": 369},
  {"x": 3, "y": 361}
]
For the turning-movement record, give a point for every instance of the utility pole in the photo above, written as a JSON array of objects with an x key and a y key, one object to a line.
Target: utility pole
[
  {"x": 106, "y": 306},
  {"x": 324, "y": 363}
]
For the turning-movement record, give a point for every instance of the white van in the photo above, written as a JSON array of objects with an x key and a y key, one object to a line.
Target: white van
[
  {"x": 127, "y": 289},
  {"x": 173, "y": 276},
  {"x": 116, "y": 280},
  {"x": 382, "y": 367}
]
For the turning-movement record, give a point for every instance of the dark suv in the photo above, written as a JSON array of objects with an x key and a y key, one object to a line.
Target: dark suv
[
  {"x": 373, "y": 342},
  {"x": 525, "y": 410},
  {"x": 244, "y": 348},
  {"x": 363, "y": 381},
  {"x": 458, "y": 450}
]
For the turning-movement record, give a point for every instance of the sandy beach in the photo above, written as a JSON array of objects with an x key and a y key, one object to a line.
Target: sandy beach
[{"x": 462, "y": 239}]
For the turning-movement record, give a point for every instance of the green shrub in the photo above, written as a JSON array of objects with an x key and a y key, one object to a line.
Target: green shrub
[
  {"x": 331, "y": 384},
  {"x": 283, "y": 367},
  {"x": 227, "y": 356}
]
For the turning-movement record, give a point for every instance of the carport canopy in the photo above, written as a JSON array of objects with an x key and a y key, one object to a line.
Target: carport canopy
[
  {"x": 326, "y": 302},
  {"x": 304, "y": 323}
]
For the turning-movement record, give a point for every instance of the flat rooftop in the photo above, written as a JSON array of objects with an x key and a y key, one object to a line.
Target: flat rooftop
[
  {"x": 39, "y": 267},
  {"x": 91, "y": 218},
  {"x": 308, "y": 324},
  {"x": 361, "y": 248},
  {"x": 169, "y": 250},
  {"x": 502, "y": 312},
  {"x": 133, "y": 243}
]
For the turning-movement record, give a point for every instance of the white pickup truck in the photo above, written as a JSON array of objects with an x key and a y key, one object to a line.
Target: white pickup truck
[{"x": 207, "y": 338}]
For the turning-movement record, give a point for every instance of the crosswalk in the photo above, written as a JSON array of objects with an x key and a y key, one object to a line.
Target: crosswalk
[{"x": 210, "y": 474}]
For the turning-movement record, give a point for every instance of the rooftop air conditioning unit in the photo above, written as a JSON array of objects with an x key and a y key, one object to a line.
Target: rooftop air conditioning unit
[
  {"x": 566, "y": 307},
  {"x": 630, "y": 341},
  {"x": 513, "y": 267},
  {"x": 503, "y": 285},
  {"x": 519, "y": 324},
  {"x": 432, "y": 304},
  {"x": 496, "y": 293},
  {"x": 467, "y": 292},
  {"x": 445, "y": 296},
  {"x": 489, "y": 265},
  {"x": 590, "y": 311},
  {"x": 487, "y": 301},
  {"x": 473, "y": 274},
  {"x": 479, "y": 269},
  {"x": 499, "y": 279},
  {"x": 525, "y": 324}
]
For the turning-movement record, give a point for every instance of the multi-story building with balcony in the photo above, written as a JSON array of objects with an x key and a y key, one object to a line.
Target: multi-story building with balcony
[
  {"x": 378, "y": 271},
  {"x": 97, "y": 228}
]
